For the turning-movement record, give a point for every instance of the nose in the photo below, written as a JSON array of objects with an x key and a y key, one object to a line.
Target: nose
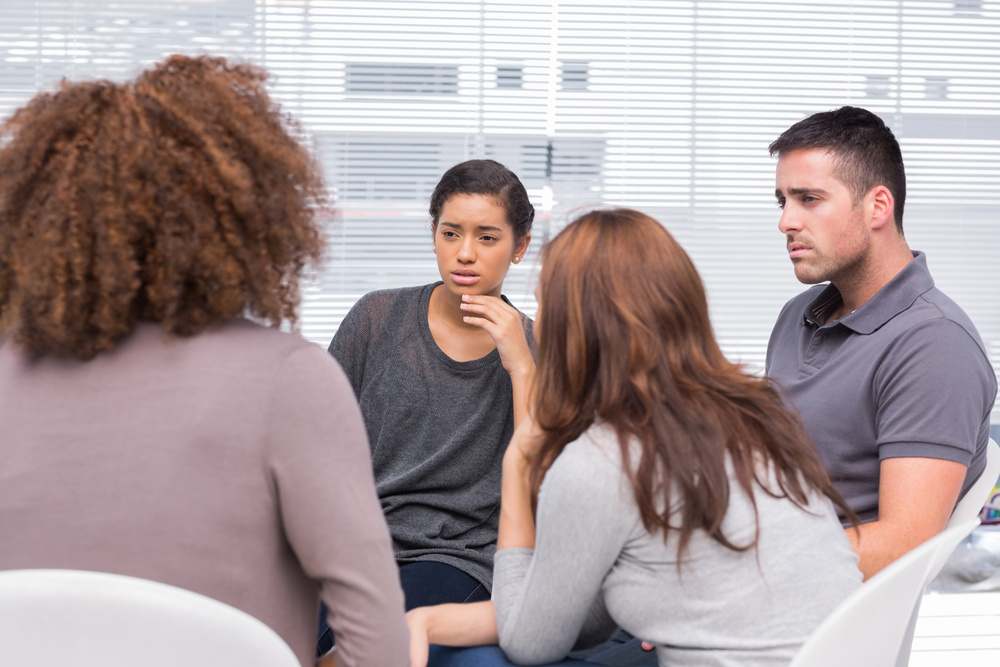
[
  {"x": 467, "y": 251},
  {"x": 788, "y": 222}
]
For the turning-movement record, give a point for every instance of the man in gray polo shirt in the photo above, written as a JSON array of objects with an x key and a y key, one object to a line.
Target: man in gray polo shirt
[{"x": 889, "y": 375}]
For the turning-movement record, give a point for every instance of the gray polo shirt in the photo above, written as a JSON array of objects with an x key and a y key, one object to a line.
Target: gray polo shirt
[{"x": 904, "y": 375}]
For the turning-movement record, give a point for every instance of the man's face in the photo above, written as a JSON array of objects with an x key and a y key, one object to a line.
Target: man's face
[{"x": 826, "y": 234}]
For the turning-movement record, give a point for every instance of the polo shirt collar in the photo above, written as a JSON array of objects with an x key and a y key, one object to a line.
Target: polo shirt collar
[{"x": 895, "y": 296}]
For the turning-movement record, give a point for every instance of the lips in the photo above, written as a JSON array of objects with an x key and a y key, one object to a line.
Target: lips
[
  {"x": 464, "y": 277},
  {"x": 796, "y": 250}
]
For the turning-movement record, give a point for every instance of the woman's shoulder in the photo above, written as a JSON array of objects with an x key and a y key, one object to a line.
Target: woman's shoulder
[
  {"x": 588, "y": 477},
  {"x": 594, "y": 455},
  {"x": 266, "y": 357},
  {"x": 243, "y": 338},
  {"x": 382, "y": 304}
]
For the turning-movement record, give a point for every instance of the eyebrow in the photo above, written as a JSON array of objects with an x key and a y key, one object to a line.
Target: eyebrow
[
  {"x": 799, "y": 191},
  {"x": 486, "y": 228}
]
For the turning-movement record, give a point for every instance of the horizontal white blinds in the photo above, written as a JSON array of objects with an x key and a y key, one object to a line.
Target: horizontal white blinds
[{"x": 661, "y": 105}]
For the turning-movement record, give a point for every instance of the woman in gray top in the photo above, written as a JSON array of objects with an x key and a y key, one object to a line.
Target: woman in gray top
[
  {"x": 656, "y": 486},
  {"x": 442, "y": 373}
]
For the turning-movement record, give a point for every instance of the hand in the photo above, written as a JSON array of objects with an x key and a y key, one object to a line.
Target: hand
[
  {"x": 328, "y": 660},
  {"x": 503, "y": 323},
  {"x": 416, "y": 619},
  {"x": 471, "y": 624}
]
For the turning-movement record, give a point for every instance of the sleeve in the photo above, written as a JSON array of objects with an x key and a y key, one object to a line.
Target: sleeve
[
  {"x": 320, "y": 463},
  {"x": 934, "y": 391},
  {"x": 350, "y": 343},
  {"x": 548, "y": 600}
]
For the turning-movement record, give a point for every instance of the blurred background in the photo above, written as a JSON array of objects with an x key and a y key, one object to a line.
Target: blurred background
[{"x": 663, "y": 106}]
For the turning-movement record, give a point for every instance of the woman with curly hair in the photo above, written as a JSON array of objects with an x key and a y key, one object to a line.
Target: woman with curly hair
[
  {"x": 655, "y": 486},
  {"x": 153, "y": 426}
]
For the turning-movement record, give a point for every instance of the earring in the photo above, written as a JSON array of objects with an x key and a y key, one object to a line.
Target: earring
[
  {"x": 516, "y": 260},
  {"x": 435, "y": 249}
]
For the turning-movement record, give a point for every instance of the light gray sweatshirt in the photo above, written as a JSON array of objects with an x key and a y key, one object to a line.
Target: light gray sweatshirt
[{"x": 594, "y": 566}]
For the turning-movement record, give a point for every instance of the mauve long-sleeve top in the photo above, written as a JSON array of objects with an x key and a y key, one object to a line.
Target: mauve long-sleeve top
[{"x": 233, "y": 463}]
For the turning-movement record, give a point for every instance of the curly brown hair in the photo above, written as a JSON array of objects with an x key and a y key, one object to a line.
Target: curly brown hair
[{"x": 182, "y": 198}]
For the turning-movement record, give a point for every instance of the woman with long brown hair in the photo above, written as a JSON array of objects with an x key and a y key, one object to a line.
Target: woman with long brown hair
[
  {"x": 152, "y": 425},
  {"x": 656, "y": 486}
]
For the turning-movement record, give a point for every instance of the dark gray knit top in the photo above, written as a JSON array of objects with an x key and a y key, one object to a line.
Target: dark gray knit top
[{"x": 438, "y": 429}]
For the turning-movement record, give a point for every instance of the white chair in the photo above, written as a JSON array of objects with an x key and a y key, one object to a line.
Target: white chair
[
  {"x": 967, "y": 508},
  {"x": 54, "y": 618},
  {"x": 973, "y": 501},
  {"x": 868, "y": 629}
]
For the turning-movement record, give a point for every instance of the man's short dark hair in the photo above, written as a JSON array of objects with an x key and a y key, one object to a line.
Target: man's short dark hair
[{"x": 865, "y": 151}]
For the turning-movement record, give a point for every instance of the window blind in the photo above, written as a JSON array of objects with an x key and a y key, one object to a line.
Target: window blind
[{"x": 659, "y": 105}]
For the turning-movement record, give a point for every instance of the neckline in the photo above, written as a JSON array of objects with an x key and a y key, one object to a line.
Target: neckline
[{"x": 425, "y": 332}]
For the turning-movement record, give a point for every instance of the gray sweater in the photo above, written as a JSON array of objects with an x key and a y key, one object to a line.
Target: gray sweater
[
  {"x": 595, "y": 566},
  {"x": 437, "y": 427}
]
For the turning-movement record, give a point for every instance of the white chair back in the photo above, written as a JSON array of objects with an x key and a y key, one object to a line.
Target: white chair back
[
  {"x": 967, "y": 508},
  {"x": 53, "y": 618},
  {"x": 972, "y": 503},
  {"x": 868, "y": 629}
]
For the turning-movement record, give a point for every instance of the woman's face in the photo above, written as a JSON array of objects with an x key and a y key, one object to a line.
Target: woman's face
[{"x": 475, "y": 245}]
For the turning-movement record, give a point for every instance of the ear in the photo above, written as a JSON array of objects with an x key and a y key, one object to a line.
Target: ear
[
  {"x": 883, "y": 207},
  {"x": 522, "y": 246}
]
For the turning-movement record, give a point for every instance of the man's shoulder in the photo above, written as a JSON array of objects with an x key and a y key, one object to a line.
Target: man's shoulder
[
  {"x": 935, "y": 315},
  {"x": 935, "y": 304}
]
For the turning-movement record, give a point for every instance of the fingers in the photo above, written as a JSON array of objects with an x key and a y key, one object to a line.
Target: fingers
[
  {"x": 490, "y": 307},
  {"x": 492, "y": 314},
  {"x": 503, "y": 323}
]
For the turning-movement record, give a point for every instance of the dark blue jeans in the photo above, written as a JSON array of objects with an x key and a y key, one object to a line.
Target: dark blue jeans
[
  {"x": 424, "y": 583},
  {"x": 622, "y": 650},
  {"x": 428, "y": 582},
  {"x": 481, "y": 656}
]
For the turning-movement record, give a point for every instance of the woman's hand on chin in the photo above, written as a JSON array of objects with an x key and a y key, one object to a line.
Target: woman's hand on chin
[{"x": 503, "y": 323}]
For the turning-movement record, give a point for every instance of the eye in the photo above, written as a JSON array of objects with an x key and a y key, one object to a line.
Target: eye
[
  {"x": 808, "y": 199},
  {"x": 488, "y": 238},
  {"x": 781, "y": 202},
  {"x": 447, "y": 233}
]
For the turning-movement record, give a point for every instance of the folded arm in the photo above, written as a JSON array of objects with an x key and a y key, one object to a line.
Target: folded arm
[{"x": 547, "y": 585}]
